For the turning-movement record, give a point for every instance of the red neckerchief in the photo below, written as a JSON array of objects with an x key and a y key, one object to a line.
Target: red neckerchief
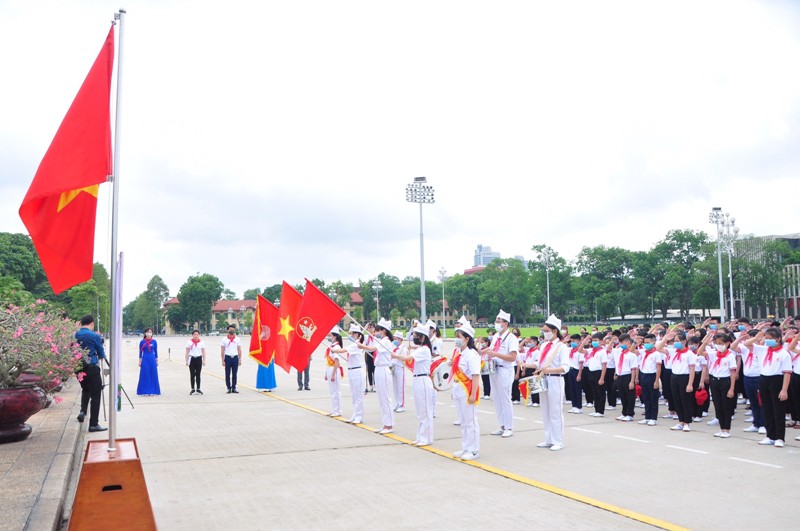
[
  {"x": 770, "y": 352},
  {"x": 591, "y": 354},
  {"x": 497, "y": 343},
  {"x": 572, "y": 353},
  {"x": 646, "y": 354},
  {"x": 545, "y": 350},
  {"x": 720, "y": 356},
  {"x": 749, "y": 359},
  {"x": 195, "y": 341},
  {"x": 621, "y": 358},
  {"x": 149, "y": 344},
  {"x": 678, "y": 353}
]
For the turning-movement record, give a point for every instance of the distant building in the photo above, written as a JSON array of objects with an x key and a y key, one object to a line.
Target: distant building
[{"x": 484, "y": 256}]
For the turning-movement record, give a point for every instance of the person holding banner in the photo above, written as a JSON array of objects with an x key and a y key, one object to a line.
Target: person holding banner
[
  {"x": 466, "y": 390},
  {"x": 355, "y": 373},
  {"x": 423, "y": 386},
  {"x": 381, "y": 349},
  {"x": 335, "y": 356}
]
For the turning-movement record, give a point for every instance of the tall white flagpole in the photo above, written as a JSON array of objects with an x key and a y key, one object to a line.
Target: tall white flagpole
[{"x": 116, "y": 288}]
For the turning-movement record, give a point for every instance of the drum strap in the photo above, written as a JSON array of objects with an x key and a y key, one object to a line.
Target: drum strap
[{"x": 462, "y": 379}]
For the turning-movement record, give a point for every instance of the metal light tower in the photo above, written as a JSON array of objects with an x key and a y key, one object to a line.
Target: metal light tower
[
  {"x": 377, "y": 287},
  {"x": 443, "y": 277},
  {"x": 716, "y": 217},
  {"x": 546, "y": 257},
  {"x": 419, "y": 192},
  {"x": 729, "y": 236}
]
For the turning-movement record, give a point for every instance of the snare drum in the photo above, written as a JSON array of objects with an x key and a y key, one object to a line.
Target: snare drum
[
  {"x": 441, "y": 374},
  {"x": 536, "y": 384}
]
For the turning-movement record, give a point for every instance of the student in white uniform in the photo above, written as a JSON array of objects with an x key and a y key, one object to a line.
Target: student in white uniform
[
  {"x": 596, "y": 360},
  {"x": 721, "y": 370},
  {"x": 649, "y": 375},
  {"x": 751, "y": 372},
  {"x": 355, "y": 372},
  {"x": 381, "y": 349},
  {"x": 502, "y": 351},
  {"x": 466, "y": 390},
  {"x": 399, "y": 375},
  {"x": 553, "y": 363},
  {"x": 335, "y": 358},
  {"x": 683, "y": 362},
  {"x": 626, "y": 376},
  {"x": 437, "y": 347},
  {"x": 422, "y": 384}
]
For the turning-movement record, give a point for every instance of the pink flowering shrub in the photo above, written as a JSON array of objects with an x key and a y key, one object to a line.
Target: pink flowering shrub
[{"x": 36, "y": 340}]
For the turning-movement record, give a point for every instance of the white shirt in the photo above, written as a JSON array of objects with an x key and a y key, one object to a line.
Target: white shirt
[
  {"x": 231, "y": 346},
  {"x": 575, "y": 358},
  {"x": 438, "y": 346},
  {"x": 681, "y": 366},
  {"x": 700, "y": 362},
  {"x": 596, "y": 361},
  {"x": 628, "y": 361},
  {"x": 195, "y": 350},
  {"x": 780, "y": 363},
  {"x": 504, "y": 344},
  {"x": 558, "y": 352},
  {"x": 649, "y": 362},
  {"x": 721, "y": 367},
  {"x": 383, "y": 356},
  {"x": 422, "y": 360},
  {"x": 354, "y": 356},
  {"x": 469, "y": 362}
]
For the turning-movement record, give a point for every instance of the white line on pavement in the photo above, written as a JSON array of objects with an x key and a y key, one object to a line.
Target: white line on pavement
[
  {"x": 631, "y": 439},
  {"x": 587, "y": 431},
  {"x": 755, "y": 462},
  {"x": 687, "y": 449}
]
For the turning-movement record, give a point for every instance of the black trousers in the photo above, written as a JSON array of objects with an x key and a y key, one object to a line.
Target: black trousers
[
  {"x": 195, "y": 366},
  {"x": 794, "y": 397},
  {"x": 515, "y": 389},
  {"x": 684, "y": 402},
  {"x": 627, "y": 396},
  {"x": 723, "y": 406},
  {"x": 598, "y": 391},
  {"x": 370, "y": 361},
  {"x": 588, "y": 391},
  {"x": 699, "y": 408},
  {"x": 91, "y": 391},
  {"x": 574, "y": 388},
  {"x": 666, "y": 386},
  {"x": 769, "y": 387},
  {"x": 611, "y": 388},
  {"x": 649, "y": 395},
  {"x": 301, "y": 375},
  {"x": 487, "y": 385},
  {"x": 231, "y": 371}
]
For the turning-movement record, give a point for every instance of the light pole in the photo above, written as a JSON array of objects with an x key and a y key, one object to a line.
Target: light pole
[
  {"x": 443, "y": 277},
  {"x": 546, "y": 257},
  {"x": 728, "y": 237},
  {"x": 716, "y": 217},
  {"x": 419, "y": 192},
  {"x": 377, "y": 287}
]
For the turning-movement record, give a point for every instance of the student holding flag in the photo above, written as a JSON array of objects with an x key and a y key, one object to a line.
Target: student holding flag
[{"x": 466, "y": 390}]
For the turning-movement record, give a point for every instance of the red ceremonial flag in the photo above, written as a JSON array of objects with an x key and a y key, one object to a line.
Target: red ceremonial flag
[
  {"x": 317, "y": 315},
  {"x": 61, "y": 204},
  {"x": 264, "y": 336},
  {"x": 287, "y": 320},
  {"x": 523, "y": 390}
]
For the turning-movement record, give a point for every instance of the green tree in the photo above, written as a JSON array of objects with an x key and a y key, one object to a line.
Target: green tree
[
  {"x": 561, "y": 274},
  {"x": 197, "y": 296},
  {"x": 461, "y": 292},
  {"x": 12, "y": 291},
  {"x": 228, "y": 295},
  {"x": 607, "y": 273},
  {"x": 18, "y": 259},
  {"x": 762, "y": 278},
  {"x": 177, "y": 318},
  {"x": 83, "y": 300},
  {"x": 251, "y": 294},
  {"x": 505, "y": 283},
  {"x": 272, "y": 293},
  {"x": 157, "y": 293}
]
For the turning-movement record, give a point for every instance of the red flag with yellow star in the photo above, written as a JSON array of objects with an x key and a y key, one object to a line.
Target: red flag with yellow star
[
  {"x": 287, "y": 322},
  {"x": 265, "y": 334},
  {"x": 315, "y": 318},
  {"x": 60, "y": 207}
]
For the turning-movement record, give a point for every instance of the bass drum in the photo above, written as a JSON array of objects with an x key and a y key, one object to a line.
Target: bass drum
[{"x": 442, "y": 374}]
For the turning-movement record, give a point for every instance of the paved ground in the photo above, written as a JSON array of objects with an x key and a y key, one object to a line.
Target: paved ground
[{"x": 274, "y": 461}]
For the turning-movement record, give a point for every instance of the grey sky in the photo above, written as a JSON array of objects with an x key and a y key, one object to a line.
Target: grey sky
[{"x": 272, "y": 142}]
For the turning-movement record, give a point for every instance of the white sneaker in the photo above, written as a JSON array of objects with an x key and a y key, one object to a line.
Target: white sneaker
[
  {"x": 741, "y": 401},
  {"x": 718, "y": 434},
  {"x": 515, "y": 402},
  {"x": 725, "y": 435},
  {"x": 611, "y": 407},
  {"x": 751, "y": 429},
  {"x": 459, "y": 453},
  {"x": 627, "y": 419},
  {"x": 766, "y": 441},
  {"x": 535, "y": 404},
  {"x": 621, "y": 417},
  {"x": 384, "y": 431},
  {"x": 749, "y": 419},
  {"x": 779, "y": 443},
  {"x": 507, "y": 433},
  {"x": 677, "y": 427},
  {"x": 667, "y": 416},
  {"x": 486, "y": 397},
  {"x": 697, "y": 419},
  {"x": 596, "y": 414},
  {"x": 686, "y": 428},
  {"x": 544, "y": 445},
  {"x": 556, "y": 447},
  {"x": 498, "y": 431},
  {"x": 797, "y": 438},
  {"x": 456, "y": 423},
  {"x": 578, "y": 411},
  {"x": 589, "y": 405},
  {"x": 714, "y": 422},
  {"x": 571, "y": 410},
  {"x": 401, "y": 409},
  {"x": 762, "y": 430},
  {"x": 643, "y": 421},
  {"x": 469, "y": 456},
  {"x": 651, "y": 422},
  {"x": 705, "y": 413}
]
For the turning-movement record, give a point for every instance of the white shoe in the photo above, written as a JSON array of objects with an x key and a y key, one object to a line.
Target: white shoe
[
  {"x": 596, "y": 414},
  {"x": 556, "y": 447},
  {"x": 578, "y": 411},
  {"x": 686, "y": 427},
  {"x": 779, "y": 443},
  {"x": 535, "y": 404},
  {"x": 725, "y": 435},
  {"x": 486, "y": 397},
  {"x": 571, "y": 410},
  {"x": 741, "y": 401},
  {"x": 515, "y": 402},
  {"x": 469, "y": 456},
  {"x": 643, "y": 421},
  {"x": 714, "y": 422},
  {"x": 456, "y": 423},
  {"x": 459, "y": 453},
  {"x": 762, "y": 430},
  {"x": 651, "y": 422},
  {"x": 421, "y": 444},
  {"x": 626, "y": 419},
  {"x": 401, "y": 409},
  {"x": 544, "y": 445},
  {"x": 498, "y": 431},
  {"x": 677, "y": 427},
  {"x": 766, "y": 441},
  {"x": 667, "y": 416},
  {"x": 507, "y": 433},
  {"x": 751, "y": 429},
  {"x": 621, "y": 417},
  {"x": 749, "y": 419},
  {"x": 705, "y": 413},
  {"x": 718, "y": 434},
  {"x": 384, "y": 431},
  {"x": 589, "y": 405},
  {"x": 611, "y": 407},
  {"x": 697, "y": 419},
  {"x": 797, "y": 438}
]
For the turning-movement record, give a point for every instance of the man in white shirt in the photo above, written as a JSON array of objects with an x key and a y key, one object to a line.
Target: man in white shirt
[{"x": 231, "y": 354}]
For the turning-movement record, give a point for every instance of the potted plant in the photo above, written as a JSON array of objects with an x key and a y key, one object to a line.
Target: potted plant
[{"x": 37, "y": 354}]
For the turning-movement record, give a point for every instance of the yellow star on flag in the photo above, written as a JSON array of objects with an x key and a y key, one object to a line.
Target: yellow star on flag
[
  {"x": 67, "y": 197},
  {"x": 286, "y": 328}
]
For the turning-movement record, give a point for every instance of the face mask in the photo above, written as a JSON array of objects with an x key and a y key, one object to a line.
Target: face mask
[
  {"x": 693, "y": 348},
  {"x": 548, "y": 336},
  {"x": 678, "y": 345},
  {"x": 395, "y": 342},
  {"x": 649, "y": 346},
  {"x": 417, "y": 341},
  {"x": 623, "y": 346},
  {"x": 720, "y": 348},
  {"x": 459, "y": 342},
  {"x": 573, "y": 344},
  {"x": 595, "y": 344},
  {"x": 149, "y": 334},
  {"x": 741, "y": 328},
  {"x": 770, "y": 342},
  {"x": 498, "y": 327}
]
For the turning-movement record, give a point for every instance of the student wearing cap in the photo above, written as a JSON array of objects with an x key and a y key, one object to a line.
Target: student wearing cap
[
  {"x": 369, "y": 360},
  {"x": 553, "y": 364},
  {"x": 437, "y": 347},
  {"x": 502, "y": 352},
  {"x": 466, "y": 390},
  {"x": 355, "y": 374},
  {"x": 422, "y": 384},
  {"x": 398, "y": 375},
  {"x": 381, "y": 349},
  {"x": 335, "y": 357}
]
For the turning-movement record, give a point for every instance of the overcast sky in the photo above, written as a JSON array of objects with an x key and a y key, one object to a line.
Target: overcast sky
[{"x": 274, "y": 140}]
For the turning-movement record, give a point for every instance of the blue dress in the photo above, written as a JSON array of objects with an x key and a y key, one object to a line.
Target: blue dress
[
  {"x": 148, "y": 372},
  {"x": 265, "y": 378}
]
